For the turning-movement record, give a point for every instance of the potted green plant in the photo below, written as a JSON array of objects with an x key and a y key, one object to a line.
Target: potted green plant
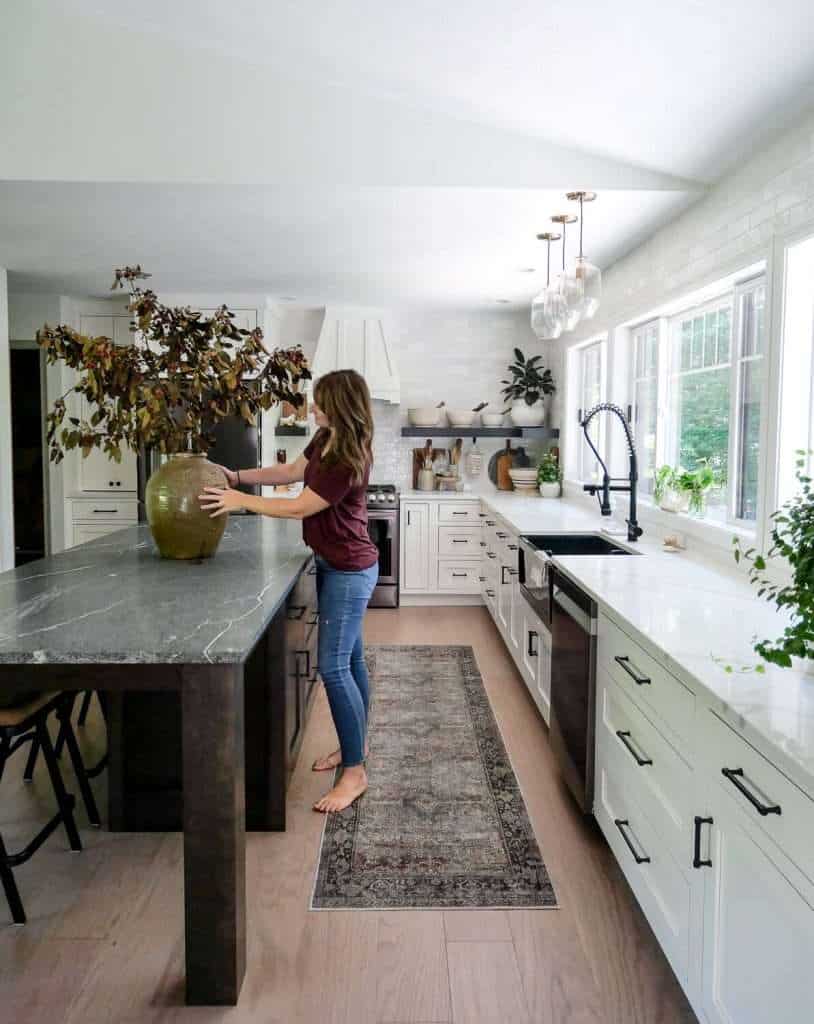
[
  {"x": 166, "y": 390},
  {"x": 549, "y": 476},
  {"x": 680, "y": 490},
  {"x": 793, "y": 541},
  {"x": 526, "y": 390}
]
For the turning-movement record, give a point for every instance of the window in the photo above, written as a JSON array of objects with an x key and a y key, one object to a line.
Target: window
[
  {"x": 645, "y": 341},
  {"x": 591, "y": 389},
  {"x": 697, "y": 387},
  {"x": 797, "y": 368}
]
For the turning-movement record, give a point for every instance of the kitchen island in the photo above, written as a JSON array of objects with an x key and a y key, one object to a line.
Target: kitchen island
[{"x": 224, "y": 633}]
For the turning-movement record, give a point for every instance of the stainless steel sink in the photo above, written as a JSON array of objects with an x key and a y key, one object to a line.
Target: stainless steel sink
[{"x": 574, "y": 544}]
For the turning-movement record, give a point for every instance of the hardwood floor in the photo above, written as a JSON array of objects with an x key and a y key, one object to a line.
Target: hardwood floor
[{"x": 104, "y": 942}]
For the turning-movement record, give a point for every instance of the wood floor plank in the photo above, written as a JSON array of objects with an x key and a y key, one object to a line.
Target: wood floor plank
[
  {"x": 485, "y": 983},
  {"x": 411, "y": 970},
  {"x": 477, "y": 926}
]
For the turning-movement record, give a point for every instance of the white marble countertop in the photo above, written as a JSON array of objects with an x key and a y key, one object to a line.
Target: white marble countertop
[{"x": 696, "y": 618}]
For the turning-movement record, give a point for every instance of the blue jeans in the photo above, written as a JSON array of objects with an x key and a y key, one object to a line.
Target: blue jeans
[{"x": 343, "y": 598}]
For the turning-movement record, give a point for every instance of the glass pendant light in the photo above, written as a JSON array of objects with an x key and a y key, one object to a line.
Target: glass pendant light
[
  {"x": 548, "y": 308},
  {"x": 570, "y": 286},
  {"x": 590, "y": 275}
]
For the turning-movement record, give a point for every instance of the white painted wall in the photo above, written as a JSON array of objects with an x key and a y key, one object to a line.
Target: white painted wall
[{"x": 6, "y": 480}]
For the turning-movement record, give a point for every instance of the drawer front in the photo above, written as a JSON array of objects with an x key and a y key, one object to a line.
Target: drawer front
[
  {"x": 460, "y": 541},
  {"x": 461, "y": 513},
  {"x": 88, "y": 510},
  {"x": 649, "y": 685},
  {"x": 657, "y": 778},
  {"x": 456, "y": 577},
  {"x": 85, "y": 532},
  {"x": 663, "y": 892},
  {"x": 772, "y": 802}
]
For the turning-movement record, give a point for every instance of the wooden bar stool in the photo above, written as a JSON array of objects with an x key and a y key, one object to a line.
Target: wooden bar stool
[{"x": 28, "y": 723}]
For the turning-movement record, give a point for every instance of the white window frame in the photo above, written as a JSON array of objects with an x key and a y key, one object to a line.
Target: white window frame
[
  {"x": 666, "y": 439},
  {"x": 579, "y": 449}
]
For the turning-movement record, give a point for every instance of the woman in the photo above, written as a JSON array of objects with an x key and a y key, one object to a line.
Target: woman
[{"x": 335, "y": 468}]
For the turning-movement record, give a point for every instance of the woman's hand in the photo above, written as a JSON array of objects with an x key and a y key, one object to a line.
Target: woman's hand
[
  {"x": 217, "y": 500},
  {"x": 231, "y": 474}
]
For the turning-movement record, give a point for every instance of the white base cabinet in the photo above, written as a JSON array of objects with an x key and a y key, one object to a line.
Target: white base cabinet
[
  {"x": 716, "y": 843},
  {"x": 440, "y": 548}
]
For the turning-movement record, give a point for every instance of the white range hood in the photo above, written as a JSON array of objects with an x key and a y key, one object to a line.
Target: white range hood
[{"x": 359, "y": 339}]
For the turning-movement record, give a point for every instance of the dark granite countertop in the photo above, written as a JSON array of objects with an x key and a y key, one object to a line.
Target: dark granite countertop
[{"x": 116, "y": 600}]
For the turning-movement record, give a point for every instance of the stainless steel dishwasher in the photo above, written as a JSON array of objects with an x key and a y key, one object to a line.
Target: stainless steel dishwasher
[{"x": 573, "y": 685}]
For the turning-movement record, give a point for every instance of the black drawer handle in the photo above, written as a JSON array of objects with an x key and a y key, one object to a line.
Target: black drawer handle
[
  {"x": 502, "y": 536},
  {"x": 533, "y": 634},
  {"x": 459, "y": 541},
  {"x": 299, "y": 609},
  {"x": 696, "y": 860},
  {"x": 483, "y": 543},
  {"x": 622, "y": 824},
  {"x": 460, "y": 513},
  {"x": 106, "y": 510},
  {"x": 462, "y": 574},
  {"x": 625, "y": 737},
  {"x": 624, "y": 661},
  {"x": 512, "y": 547},
  {"x": 735, "y": 775},
  {"x": 482, "y": 579},
  {"x": 491, "y": 554},
  {"x": 490, "y": 522},
  {"x": 481, "y": 515},
  {"x": 490, "y": 593}
]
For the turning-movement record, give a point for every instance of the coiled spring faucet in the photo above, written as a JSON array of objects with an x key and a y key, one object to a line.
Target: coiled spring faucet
[{"x": 634, "y": 531}]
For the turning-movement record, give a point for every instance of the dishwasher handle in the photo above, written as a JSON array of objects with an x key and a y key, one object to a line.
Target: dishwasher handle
[{"x": 582, "y": 618}]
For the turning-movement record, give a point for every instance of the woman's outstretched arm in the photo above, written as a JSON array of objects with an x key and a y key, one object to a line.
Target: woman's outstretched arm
[{"x": 217, "y": 500}]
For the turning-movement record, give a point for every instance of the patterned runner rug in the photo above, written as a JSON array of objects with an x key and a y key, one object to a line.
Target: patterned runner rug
[{"x": 443, "y": 823}]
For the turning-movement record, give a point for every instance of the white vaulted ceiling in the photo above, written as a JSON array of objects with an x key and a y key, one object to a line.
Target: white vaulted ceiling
[{"x": 366, "y": 151}]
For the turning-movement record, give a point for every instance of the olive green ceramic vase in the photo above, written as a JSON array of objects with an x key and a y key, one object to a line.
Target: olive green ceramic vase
[{"x": 180, "y": 528}]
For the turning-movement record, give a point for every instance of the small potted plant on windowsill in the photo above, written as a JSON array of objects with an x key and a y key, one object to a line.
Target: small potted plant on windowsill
[
  {"x": 549, "y": 476},
  {"x": 793, "y": 541},
  {"x": 527, "y": 389},
  {"x": 680, "y": 490}
]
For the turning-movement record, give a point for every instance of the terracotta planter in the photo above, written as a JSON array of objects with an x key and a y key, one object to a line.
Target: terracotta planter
[
  {"x": 523, "y": 415},
  {"x": 180, "y": 528}
]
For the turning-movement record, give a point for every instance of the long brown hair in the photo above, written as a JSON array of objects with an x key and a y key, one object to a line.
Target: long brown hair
[{"x": 344, "y": 398}]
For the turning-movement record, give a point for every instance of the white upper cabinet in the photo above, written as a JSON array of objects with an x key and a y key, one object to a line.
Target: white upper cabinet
[{"x": 361, "y": 340}]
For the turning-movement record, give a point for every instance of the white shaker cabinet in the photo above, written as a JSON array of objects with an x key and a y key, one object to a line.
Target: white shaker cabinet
[
  {"x": 758, "y": 929},
  {"x": 415, "y": 547}
]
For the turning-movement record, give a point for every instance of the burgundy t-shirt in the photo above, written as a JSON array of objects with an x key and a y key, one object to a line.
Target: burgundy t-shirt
[{"x": 337, "y": 533}]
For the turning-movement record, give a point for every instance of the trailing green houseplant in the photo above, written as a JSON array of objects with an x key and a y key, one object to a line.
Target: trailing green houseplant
[
  {"x": 792, "y": 539},
  {"x": 166, "y": 391},
  {"x": 526, "y": 389},
  {"x": 676, "y": 489}
]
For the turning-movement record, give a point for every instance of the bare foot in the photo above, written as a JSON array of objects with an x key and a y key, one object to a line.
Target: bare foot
[
  {"x": 334, "y": 760},
  {"x": 351, "y": 785}
]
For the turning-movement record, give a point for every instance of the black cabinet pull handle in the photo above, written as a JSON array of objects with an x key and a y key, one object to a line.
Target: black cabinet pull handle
[
  {"x": 512, "y": 547},
  {"x": 460, "y": 513},
  {"x": 624, "y": 736},
  {"x": 490, "y": 593},
  {"x": 482, "y": 579},
  {"x": 735, "y": 775},
  {"x": 106, "y": 510},
  {"x": 696, "y": 859},
  {"x": 491, "y": 554},
  {"x": 300, "y": 610},
  {"x": 483, "y": 543},
  {"x": 532, "y": 653},
  {"x": 490, "y": 522},
  {"x": 458, "y": 540},
  {"x": 622, "y": 824},
  {"x": 624, "y": 661},
  {"x": 503, "y": 570},
  {"x": 501, "y": 535},
  {"x": 481, "y": 515}
]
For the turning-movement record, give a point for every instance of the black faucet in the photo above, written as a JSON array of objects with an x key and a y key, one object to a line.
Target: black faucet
[{"x": 634, "y": 531}]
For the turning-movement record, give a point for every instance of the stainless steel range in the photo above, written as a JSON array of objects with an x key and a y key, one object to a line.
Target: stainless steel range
[{"x": 383, "y": 527}]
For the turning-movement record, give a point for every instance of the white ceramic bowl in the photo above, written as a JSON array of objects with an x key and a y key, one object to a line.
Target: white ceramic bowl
[
  {"x": 492, "y": 419},
  {"x": 425, "y": 416},
  {"x": 461, "y": 417},
  {"x": 523, "y": 474}
]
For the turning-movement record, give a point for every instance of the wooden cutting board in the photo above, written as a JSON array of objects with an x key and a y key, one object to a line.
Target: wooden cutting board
[{"x": 504, "y": 464}]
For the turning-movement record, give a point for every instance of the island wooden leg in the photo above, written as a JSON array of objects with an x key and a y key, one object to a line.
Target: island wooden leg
[{"x": 214, "y": 833}]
